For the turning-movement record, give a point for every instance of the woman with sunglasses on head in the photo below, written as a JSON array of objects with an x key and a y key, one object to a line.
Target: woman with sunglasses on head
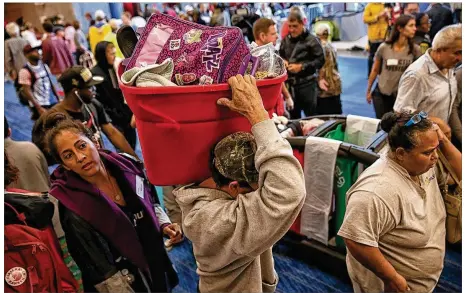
[
  {"x": 390, "y": 61},
  {"x": 113, "y": 223},
  {"x": 394, "y": 226}
]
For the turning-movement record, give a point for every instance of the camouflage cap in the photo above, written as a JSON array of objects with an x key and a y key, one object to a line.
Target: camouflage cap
[{"x": 234, "y": 157}]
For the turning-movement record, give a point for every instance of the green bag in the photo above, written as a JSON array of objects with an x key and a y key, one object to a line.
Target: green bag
[
  {"x": 345, "y": 176},
  {"x": 74, "y": 269}
]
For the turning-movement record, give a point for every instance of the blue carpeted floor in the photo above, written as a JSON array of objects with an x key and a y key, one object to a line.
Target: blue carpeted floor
[{"x": 296, "y": 274}]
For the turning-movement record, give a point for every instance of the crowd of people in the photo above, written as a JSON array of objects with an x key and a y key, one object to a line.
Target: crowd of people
[
  {"x": 394, "y": 226},
  {"x": 415, "y": 48}
]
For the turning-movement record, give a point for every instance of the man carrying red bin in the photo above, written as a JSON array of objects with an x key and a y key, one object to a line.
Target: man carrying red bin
[{"x": 253, "y": 196}]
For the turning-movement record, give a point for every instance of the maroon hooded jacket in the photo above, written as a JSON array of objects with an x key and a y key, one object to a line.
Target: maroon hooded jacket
[{"x": 89, "y": 203}]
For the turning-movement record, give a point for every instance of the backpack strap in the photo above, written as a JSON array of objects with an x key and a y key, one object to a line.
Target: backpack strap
[
  {"x": 52, "y": 86},
  {"x": 33, "y": 76},
  {"x": 449, "y": 167},
  {"x": 21, "y": 217}
]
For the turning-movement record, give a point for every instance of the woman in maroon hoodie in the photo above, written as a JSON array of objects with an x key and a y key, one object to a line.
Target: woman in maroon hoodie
[{"x": 110, "y": 214}]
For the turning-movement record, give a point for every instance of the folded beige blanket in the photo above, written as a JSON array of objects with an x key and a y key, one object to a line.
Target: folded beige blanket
[{"x": 153, "y": 75}]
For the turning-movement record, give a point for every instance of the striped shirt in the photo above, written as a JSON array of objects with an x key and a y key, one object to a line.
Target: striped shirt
[
  {"x": 424, "y": 87},
  {"x": 14, "y": 57},
  {"x": 41, "y": 89}
]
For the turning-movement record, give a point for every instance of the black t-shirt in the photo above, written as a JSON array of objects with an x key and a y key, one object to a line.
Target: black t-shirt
[{"x": 92, "y": 115}]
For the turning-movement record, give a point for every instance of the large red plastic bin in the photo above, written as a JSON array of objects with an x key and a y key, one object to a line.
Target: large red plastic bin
[{"x": 177, "y": 126}]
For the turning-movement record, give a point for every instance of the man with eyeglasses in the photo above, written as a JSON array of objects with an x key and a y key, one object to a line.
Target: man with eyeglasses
[
  {"x": 80, "y": 104},
  {"x": 411, "y": 8},
  {"x": 429, "y": 83}
]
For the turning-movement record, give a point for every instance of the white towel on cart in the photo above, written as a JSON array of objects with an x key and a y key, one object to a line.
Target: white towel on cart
[
  {"x": 360, "y": 130},
  {"x": 320, "y": 155}
]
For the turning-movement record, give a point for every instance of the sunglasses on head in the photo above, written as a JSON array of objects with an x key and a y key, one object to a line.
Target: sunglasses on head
[{"x": 416, "y": 119}]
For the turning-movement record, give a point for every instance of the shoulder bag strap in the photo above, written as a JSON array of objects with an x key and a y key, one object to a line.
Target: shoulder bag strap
[
  {"x": 33, "y": 75},
  {"x": 449, "y": 168},
  {"x": 52, "y": 86}
]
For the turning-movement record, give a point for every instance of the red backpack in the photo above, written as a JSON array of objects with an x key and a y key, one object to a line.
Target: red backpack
[{"x": 33, "y": 260}]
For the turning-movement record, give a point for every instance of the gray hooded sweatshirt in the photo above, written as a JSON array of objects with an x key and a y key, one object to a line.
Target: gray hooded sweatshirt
[{"x": 233, "y": 238}]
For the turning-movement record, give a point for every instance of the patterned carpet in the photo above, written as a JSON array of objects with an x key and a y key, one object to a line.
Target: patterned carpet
[{"x": 299, "y": 271}]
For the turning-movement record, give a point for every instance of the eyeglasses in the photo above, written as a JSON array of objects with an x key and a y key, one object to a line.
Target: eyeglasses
[{"x": 416, "y": 119}]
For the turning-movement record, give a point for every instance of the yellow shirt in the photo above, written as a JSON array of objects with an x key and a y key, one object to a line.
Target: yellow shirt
[
  {"x": 377, "y": 28},
  {"x": 97, "y": 35}
]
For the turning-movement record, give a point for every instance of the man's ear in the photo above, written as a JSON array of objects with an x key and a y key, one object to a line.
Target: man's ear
[
  {"x": 234, "y": 187},
  {"x": 9, "y": 132},
  {"x": 262, "y": 37}
]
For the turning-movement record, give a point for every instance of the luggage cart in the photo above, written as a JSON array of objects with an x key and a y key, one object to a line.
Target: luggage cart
[{"x": 332, "y": 258}]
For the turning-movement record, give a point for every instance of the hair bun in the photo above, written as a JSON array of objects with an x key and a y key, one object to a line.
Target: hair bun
[
  {"x": 52, "y": 120},
  {"x": 389, "y": 120}
]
